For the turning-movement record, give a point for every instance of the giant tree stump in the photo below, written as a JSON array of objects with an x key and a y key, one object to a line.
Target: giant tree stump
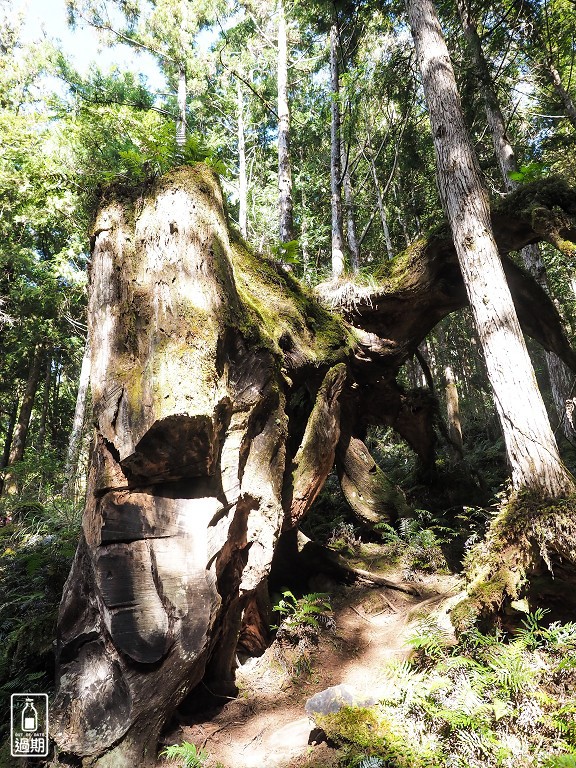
[{"x": 222, "y": 395}]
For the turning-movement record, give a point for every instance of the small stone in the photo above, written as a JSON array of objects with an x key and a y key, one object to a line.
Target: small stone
[{"x": 334, "y": 698}]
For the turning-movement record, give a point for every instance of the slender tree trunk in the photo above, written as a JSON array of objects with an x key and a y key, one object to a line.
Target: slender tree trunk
[
  {"x": 546, "y": 61},
  {"x": 284, "y": 164},
  {"x": 335, "y": 166},
  {"x": 45, "y": 403},
  {"x": 74, "y": 443},
  {"x": 8, "y": 439},
  {"x": 452, "y": 407},
  {"x": 381, "y": 210},
  {"x": 530, "y": 443},
  {"x": 23, "y": 423},
  {"x": 9, "y": 433},
  {"x": 561, "y": 92},
  {"x": 502, "y": 147},
  {"x": 181, "y": 120},
  {"x": 242, "y": 178},
  {"x": 351, "y": 236},
  {"x": 560, "y": 377},
  {"x": 306, "y": 266}
]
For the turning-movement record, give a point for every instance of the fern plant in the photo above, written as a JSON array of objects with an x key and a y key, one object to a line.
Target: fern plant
[
  {"x": 191, "y": 756},
  {"x": 305, "y": 611},
  {"x": 371, "y": 762},
  {"x": 429, "y": 640}
]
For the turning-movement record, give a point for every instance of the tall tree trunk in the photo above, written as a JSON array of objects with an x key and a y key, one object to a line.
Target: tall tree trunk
[
  {"x": 45, "y": 403},
  {"x": 530, "y": 443},
  {"x": 306, "y": 266},
  {"x": 351, "y": 236},
  {"x": 561, "y": 380},
  {"x": 242, "y": 178},
  {"x": 452, "y": 407},
  {"x": 502, "y": 147},
  {"x": 75, "y": 441},
  {"x": 11, "y": 425},
  {"x": 562, "y": 93},
  {"x": 181, "y": 119},
  {"x": 284, "y": 164},
  {"x": 335, "y": 165},
  {"x": 23, "y": 423},
  {"x": 546, "y": 61}
]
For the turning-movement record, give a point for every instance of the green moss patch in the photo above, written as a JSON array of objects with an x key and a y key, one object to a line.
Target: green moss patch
[{"x": 285, "y": 316}]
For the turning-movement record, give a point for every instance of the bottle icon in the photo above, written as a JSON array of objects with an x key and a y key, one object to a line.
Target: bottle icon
[{"x": 29, "y": 717}]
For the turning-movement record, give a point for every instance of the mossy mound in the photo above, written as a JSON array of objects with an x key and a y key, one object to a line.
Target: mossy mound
[
  {"x": 369, "y": 730},
  {"x": 528, "y": 560}
]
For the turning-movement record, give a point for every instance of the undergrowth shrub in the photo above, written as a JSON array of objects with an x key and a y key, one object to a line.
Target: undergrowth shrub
[
  {"x": 416, "y": 542},
  {"x": 298, "y": 633},
  {"x": 488, "y": 701},
  {"x": 35, "y": 559}
]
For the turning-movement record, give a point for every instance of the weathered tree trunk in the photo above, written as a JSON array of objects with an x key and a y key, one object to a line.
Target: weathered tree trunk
[
  {"x": 284, "y": 162},
  {"x": 74, "y": 443},
  {"x": 530, "y": 444},
  {"x": 335, "y": 165},
  {"x": 242, "y": 178},
  {"x": 184, "y": 501},
  {"x": 560, "y": 379},
  {"x": 222, "y": 395},
  {"x": 21, "y": 430}
]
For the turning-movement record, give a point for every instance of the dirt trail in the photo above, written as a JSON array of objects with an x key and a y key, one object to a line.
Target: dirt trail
[{"x": 267, "y": 726}]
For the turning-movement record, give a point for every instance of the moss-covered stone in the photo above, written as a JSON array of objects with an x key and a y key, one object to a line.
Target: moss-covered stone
[{"x": 369, "y": 730}]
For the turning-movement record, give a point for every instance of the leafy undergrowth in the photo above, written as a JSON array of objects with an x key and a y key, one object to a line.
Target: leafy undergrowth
[
  {"x": 35, "y": 558},
  {"x": 484, "y": 702}
]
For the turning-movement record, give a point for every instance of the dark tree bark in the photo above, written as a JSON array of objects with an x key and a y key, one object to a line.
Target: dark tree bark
[{"x": 222, "y": 393}]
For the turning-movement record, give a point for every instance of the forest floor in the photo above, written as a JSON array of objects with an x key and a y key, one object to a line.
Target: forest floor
[{"x": 267, "y": 725}]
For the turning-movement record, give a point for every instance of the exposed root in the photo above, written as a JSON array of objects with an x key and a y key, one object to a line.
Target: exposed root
[{"x": 345, "y": 296}]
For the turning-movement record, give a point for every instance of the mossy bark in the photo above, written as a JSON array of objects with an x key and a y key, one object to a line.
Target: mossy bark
[{"x": 527, "y": 561}]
